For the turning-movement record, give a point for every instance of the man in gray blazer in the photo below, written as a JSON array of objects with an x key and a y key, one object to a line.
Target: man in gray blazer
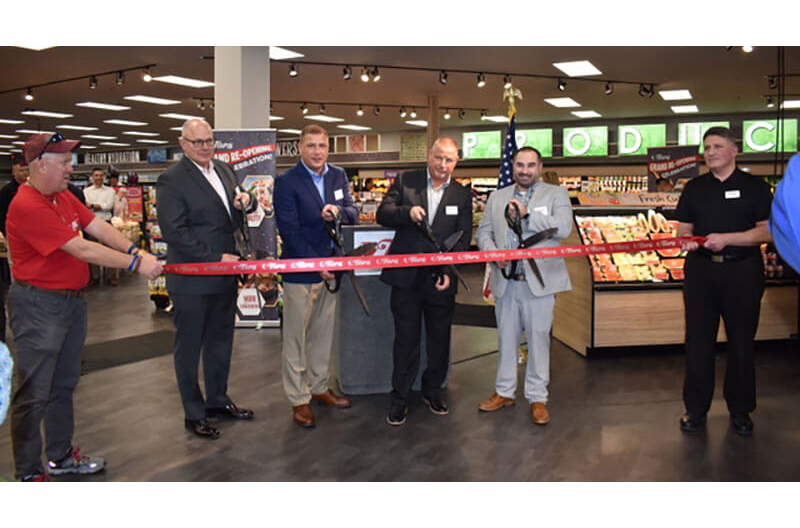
[{"x": 522, "y": 302}]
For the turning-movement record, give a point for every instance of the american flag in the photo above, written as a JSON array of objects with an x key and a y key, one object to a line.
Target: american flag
[{"x": 506, "y": 175}]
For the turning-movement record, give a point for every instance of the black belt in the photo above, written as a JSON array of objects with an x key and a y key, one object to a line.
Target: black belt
[
  {"x": 721, "y": 258},
  {"x": 70, "y": 293}
]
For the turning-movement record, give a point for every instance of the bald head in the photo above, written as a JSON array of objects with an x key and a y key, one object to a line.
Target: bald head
[
  {"x": 197, "y": 141},
  {"x": 442, "y": 159}
]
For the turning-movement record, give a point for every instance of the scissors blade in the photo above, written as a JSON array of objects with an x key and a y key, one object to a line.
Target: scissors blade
[
  {"x": 452, "y": 240},
  {"x": 362, "y": 250},
  {"x": 536, "y": 271},
  {"x": 358, "y": 291},
  {"x": 538, "y": 237}
]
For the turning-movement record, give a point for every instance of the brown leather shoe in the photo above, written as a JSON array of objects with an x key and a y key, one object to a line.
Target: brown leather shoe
[
  {"x": 539, "y": 413},
  {"x": 303, "y": 415},
  {"x": 329, "y": 398},
  {"x": 494, "y": 403}
]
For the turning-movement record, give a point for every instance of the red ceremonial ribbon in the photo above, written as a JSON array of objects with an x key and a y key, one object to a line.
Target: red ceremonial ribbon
[{"x": 246, "y": 267}]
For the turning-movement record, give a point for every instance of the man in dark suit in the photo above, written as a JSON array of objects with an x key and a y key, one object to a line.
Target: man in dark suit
[
  {"x": 435, "y": 197},
  {"x": 306, "y": 196},
  {"x": 198, "y": 211}
]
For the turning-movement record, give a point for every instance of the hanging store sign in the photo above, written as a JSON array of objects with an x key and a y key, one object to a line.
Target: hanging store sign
[
  {"x": 481, "y": 145},
  {"x": 586, "y": 141},
  {"x": 692, "y": 133},
  {"x": 541, "y": 139},
  {"x": 636, "y": 139},
  {"x": 763, "y": 135}
]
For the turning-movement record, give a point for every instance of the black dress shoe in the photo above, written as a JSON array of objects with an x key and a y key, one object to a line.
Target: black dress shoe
[
  {"x": 691, "y": 423},
  {"x": 397, "y": 414},
  {"x": 742, "y": 424},
  {"x": 436, "y": 405},
  {"x": 229, "y": 411},
  {"x": 202, "y": 429}
]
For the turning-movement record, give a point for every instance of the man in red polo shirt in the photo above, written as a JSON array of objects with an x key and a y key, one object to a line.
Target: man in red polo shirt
[{"x": 47, "y": 308}]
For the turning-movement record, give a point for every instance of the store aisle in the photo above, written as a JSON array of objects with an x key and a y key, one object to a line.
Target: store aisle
[{"x": 612, "y": 419}]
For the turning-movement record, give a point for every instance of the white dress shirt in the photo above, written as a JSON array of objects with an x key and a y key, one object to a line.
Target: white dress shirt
[{"x": 103, "y": 196}]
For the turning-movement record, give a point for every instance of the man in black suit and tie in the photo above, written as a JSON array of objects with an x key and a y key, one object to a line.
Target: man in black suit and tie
[
  {"x": 435, "y": 197},
  {"x": 198, "y": 211}
]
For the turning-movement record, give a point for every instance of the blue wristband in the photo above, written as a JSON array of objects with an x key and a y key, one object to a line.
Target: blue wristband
[
  {"x": 131, "y": 249},
  {"x": 133, "y": 262}
]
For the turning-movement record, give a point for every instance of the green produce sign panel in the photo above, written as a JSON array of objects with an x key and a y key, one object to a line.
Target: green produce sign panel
[
  {"x": 586, "y": 141},
  {"x": 540, "y": 139},
  {"x": 763, "y": 135},
  {"x": 636, "y": 139},
  {"x": 692, "y": 133},
  {"x": 481, "y": 145}
]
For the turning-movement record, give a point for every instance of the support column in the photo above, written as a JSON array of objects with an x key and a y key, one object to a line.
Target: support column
[
  {"x": 241, "y": 87},
  {"x": 433, "y": 118}
]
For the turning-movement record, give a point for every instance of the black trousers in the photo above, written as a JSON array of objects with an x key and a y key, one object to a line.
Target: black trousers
[
  {"x": 409, "y": 307},
  {"x": 203, "y": 322},
  {"x": 732, "y": 290}
]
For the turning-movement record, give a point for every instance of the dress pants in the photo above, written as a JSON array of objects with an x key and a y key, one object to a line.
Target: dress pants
[
  {"x": 732, "y": 290},
  {"x": 203, "y": 322},
  {"x": 409, "y": 306},
  {"x": 516, "y": 310},
  {"x": 49, "y": 331},
  {"x": 309, "y": 314}
]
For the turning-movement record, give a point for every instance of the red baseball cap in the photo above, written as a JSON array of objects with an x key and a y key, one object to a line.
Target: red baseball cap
[{"x": 41, "y": 143}]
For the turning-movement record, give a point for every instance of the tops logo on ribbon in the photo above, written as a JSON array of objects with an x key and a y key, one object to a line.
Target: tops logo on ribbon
[{"x": 246, "y": 153}]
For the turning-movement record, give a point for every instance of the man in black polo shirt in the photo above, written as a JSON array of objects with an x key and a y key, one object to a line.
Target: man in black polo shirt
[{"x": 724, "y": 277}]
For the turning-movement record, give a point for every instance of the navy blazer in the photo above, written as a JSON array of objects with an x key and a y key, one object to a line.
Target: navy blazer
[
  {"x": 298, "y": 211},
  {"x": 195, "y": 224},
  {"x": 408, "y": 190}
]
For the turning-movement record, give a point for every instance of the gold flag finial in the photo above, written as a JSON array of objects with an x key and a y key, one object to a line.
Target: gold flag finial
[{"x": 510, "y": 94}]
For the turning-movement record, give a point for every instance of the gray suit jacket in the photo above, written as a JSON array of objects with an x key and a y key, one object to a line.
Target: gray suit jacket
[{"x": 549, "y": 207}]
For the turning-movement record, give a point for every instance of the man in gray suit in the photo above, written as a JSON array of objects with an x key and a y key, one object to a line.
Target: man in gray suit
[{"x": 522, "y": 302}]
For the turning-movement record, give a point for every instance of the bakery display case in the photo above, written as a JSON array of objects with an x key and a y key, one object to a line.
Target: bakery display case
[{"x": 636, "y": 299}]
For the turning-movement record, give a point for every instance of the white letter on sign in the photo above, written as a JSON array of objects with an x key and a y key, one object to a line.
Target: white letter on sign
[
  {"x": 586, "y": 139},
  {"x": 748, "y": 136},
  {"x": 470, "y": 142},
  {"x": 622, "y": 140}
]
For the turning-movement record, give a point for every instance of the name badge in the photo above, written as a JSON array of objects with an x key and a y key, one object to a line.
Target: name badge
[
  {"x": 451, "y": 210},
  {"x": 338, "y": 194},
  {"x": 731, "y": 195},
  {"x": 540, "y": 210}
]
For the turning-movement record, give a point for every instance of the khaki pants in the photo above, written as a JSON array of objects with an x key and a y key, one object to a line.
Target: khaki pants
[{"x": 309, "y": 312}]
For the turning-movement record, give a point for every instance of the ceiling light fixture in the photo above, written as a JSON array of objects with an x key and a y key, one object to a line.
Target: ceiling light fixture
[
  {"x": 293, "y": 70},
  {"x": 442, "y": 77},
  {"x": 92, "y": 82},
  {"x": 506, "y": 81},
  {"x": 200, "y": 105},
  {"x": 580, "y": 68},
  {"x": 29, "y": 95},
  {"x": 446, "y": 113},
  {"x": 772, "y": 82},
  {"x": 322, "y": 109},
  {"x": 609, "y": 89},
  {"x": 413, "y": 113},
  {"x": 403, "y": 112},
  {"x": 360, "y": 111},
  {"x": 483, "y": 115},
  {"x": 376, "y": 110},
  {"x": 184, "y": 81},
  {"x": 376, "y": 76},
  {"x": 103, "y": 106},
  {"x": 770, "y": 102},
  {"x": 151, "y": 100},
  {"x": 347, "y": 73},
  {"x": 303, "y": 109},
  {"x": 120, "y": 77},
  {"x": 364, "y": 74},
  {"x": 147, "y": 76},
  {"x": 562, "y": 85},
  {"x": 481, "y": 80},
  {"x": 461, "y": 113},
  {"x": 646, "y": 90},
  {"x": 747, "y": 49}
]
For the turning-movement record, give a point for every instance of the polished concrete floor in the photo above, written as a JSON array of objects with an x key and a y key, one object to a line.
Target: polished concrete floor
[{"x": 613, "y": 419}]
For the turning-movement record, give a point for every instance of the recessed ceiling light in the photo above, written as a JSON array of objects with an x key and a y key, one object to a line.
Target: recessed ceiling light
[
  {"x": 185, "y": 117},
  {"x": 153, "y": 141},
  {"x": 43, "y": 113},
  {"x": 792, "y": 103},
  {"x": 183, "y": 81},
  {"x": 290, "y": 130},
  {"x": 91, "y": 136},
  {"x": 6, "y": 136},
  {"x": 12, "y": 121},
  {"x": 124, "y": 122},
  {"x": 16, "y": 150},
  {"x": 675, "y": 95},
  {"x": 5, "y": 153},
  {"x": 76, "y": 127},
  {"x": 103, "y": 106},
  {"x": 577, "y": 68},
  {"x": 112, "y": 144},
  {"x": 562, "y": 102},
  {"x": 30, "y": 131},
  {"x": 276, "y": 118},
  {"x": 495, "y": 119},
  {"x": 354, "y": 127},
  {"x": 685, "y": 109},
  {"x": 137, "y": 133},
  {"x": 179, "y": 129},
  {"x": 418, "y": 122},
  {"x": 35, "y": 48},
  {"x": 7, "y": 146},
  {"x": 326, "y": 118},
  {"x": 585, "y": 113},
  {"x": 87, "y": 146},
  {"x": 276, "y": 53},
  {"x": 153, "y": 100},
  {"x": 17, "y": 142}
]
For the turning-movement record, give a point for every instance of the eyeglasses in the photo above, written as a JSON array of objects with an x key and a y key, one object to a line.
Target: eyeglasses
[
  {"x": 55, "y": 138},
  {"x": 197, "y": 143}
]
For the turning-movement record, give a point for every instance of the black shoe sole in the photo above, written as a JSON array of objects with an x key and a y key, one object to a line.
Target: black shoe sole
[
  {"x": 395, "y": 424},
  {"x": 438, "y": 413},
  {"x": 695, "y": 429}
]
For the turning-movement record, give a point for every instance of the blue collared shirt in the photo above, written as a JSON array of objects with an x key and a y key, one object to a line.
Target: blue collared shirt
[{"x": 317, "y": 179}]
